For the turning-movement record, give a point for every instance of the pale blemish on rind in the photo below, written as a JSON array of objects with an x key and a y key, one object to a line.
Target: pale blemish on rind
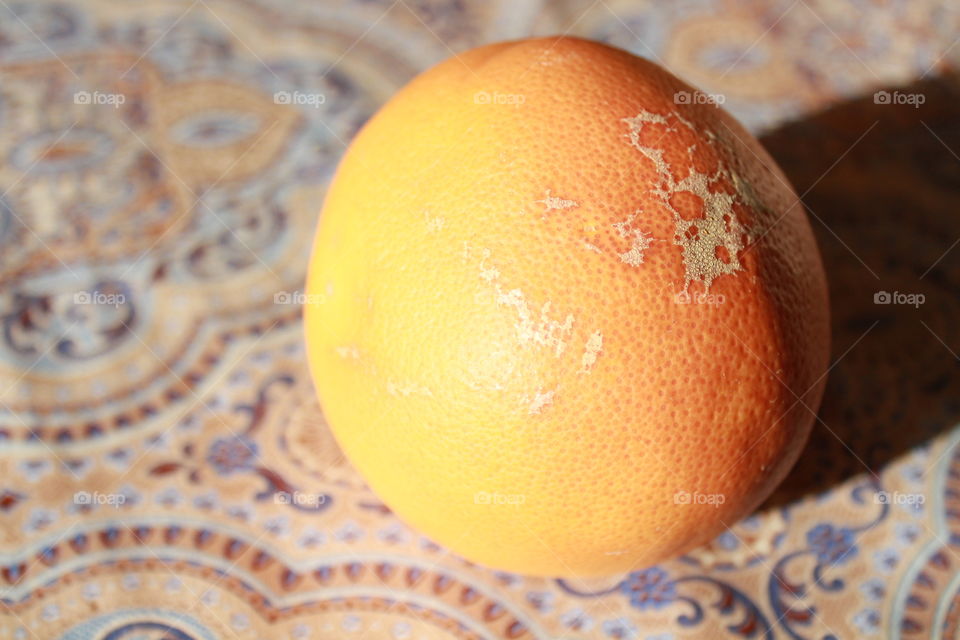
[
  {"x": 543, "y": 331},
  {"x": 540, "y": 400},
  {"x": 556, "y": 203},
  {"x": 592, "y": 247},
  {"x": 591, "y": 352},
  {"x": 718, "y": 228},
  {"x": 348, "y": 352},
  {"x": 699, "y": 239},
  {"x": 639, "y": 240},
  {"x": 434, "y": 223},
  {"x": 492, "y": 369},
  {"x": 404, "y": 389},
  {"x": 488, "y": 273},
  {"x": 532, "y": 328}
]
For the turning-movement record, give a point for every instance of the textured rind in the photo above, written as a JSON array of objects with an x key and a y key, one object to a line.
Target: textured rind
[{"x": 458, "y": 361}]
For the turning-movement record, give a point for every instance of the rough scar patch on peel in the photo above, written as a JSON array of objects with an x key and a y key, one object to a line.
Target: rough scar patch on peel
[
  {"x": 434, "y": 223},
  {"x": 591, "y": 352},
  {"x": 540, "y": 330},
  {"x": 405, "y": 389},
  {"x": 711, "y": 245},
  {"x": 589, "y": 246},
  {"x": 556, "y": 203},
  {"x": 540, "y": 400},
  {"x": 348, "y": 352},
  {"x": 486, "y": 272},
  {"x": 533, "y": 327},
  {"x": 639, "y": 240}
]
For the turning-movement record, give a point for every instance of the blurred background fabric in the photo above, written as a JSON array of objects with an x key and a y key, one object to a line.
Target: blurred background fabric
[{"x": 166, "y": 470}]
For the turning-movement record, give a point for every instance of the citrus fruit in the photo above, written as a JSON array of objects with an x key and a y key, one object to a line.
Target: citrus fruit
[{"x": 565, "y": 315}]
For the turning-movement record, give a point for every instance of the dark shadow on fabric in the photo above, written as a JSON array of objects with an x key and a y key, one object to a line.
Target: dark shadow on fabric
[{"x": 886, "y": 216}]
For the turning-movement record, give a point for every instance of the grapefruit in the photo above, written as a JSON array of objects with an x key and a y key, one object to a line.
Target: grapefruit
[{"x": 565, "y": 314}]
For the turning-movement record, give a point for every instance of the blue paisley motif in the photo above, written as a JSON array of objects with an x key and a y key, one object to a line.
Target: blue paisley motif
[
  {"x": 232, "y": 454},
  {"x": 830, "y": 546},
  {"x": 653, "y": 588}
]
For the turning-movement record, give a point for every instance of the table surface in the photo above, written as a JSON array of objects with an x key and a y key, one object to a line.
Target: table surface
[{"x": 154, "y": 401}]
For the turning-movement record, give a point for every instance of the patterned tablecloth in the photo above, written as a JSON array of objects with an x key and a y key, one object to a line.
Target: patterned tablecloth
[{"x": 163, "y": 163}]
